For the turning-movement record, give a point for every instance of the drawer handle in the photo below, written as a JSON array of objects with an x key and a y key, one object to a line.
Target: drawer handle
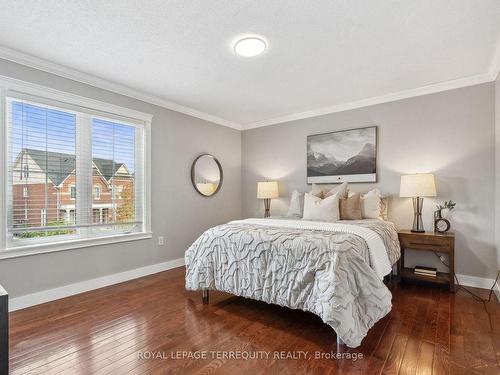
[{"x": 424, "y": 244}]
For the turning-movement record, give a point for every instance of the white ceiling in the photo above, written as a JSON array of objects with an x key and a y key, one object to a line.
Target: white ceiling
[{"x": 323, "y": 55}]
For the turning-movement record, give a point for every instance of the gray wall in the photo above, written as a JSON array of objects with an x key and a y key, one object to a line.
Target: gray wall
[
  {"x": 178, "y": 212},
  {"x": 451, "y": 134}
]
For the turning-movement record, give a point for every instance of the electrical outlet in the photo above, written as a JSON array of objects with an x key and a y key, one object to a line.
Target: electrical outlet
[{"x": 161, "y": 240}]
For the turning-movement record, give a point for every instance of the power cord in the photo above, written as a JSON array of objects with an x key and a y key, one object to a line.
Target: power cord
[{"x": 475, "y": 296}]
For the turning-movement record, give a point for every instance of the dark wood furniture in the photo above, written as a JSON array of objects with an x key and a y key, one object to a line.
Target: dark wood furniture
[
  {"x": 428, "y": 241},
  {"x": 4, "y": 332}
]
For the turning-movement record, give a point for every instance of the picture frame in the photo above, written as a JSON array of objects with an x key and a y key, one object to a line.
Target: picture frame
[{"x": 342, "y": 156}]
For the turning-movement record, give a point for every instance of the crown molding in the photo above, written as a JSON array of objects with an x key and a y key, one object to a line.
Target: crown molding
[
  {"x": 75, "y": 75},
  {"x": 405, "y": 94},
  {"x": 21, "y": 89}
]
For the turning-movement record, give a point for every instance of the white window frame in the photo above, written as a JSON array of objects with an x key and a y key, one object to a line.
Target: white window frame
[
  {"x": 116, "y": 113},
  {"x": 25, "y": 191},
  {"x": 70, "y": 191}
]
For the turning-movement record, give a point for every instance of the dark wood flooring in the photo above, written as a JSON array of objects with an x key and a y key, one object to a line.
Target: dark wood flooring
[{"x": 112, "y": 330}]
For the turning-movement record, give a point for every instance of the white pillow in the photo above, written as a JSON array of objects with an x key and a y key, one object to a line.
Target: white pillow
[
  {"x": 296, "y": 204},
  {"x": 370, "y": 205},
  {"x": 316, "y": 208}
]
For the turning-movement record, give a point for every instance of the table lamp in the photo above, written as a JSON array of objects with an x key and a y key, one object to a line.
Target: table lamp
[
  {"x": 267, "y": 191},
  {"x": 417, "y": 186}
]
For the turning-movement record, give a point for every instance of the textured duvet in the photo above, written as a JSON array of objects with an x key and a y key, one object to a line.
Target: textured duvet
[{"x": 325, "y": 272}]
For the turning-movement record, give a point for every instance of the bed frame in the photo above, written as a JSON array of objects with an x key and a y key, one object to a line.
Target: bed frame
[{"x": 205, "y": 297}]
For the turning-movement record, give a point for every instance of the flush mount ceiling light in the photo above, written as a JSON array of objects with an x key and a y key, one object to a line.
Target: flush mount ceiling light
[{"x": 250, "y": 46}]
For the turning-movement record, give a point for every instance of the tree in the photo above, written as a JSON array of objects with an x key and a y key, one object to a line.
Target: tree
[{"x": 126, "y": 210}]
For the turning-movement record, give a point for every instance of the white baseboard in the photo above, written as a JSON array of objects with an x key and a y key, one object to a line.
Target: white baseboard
[
  {"x": 476, "y": 282},
  {"x": 100, "y": 282},
  {"x": 84, "y": 286}
]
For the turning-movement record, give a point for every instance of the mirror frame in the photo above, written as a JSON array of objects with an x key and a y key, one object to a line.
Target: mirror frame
[{"x": 220, "y": 172}]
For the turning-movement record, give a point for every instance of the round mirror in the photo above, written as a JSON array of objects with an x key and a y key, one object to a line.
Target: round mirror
[{"x": 206, "y": 175}]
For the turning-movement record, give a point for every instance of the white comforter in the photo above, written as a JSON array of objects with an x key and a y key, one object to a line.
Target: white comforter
[
  {"x": 332, "y": 270},
  {"x": 379, "y": 257}
]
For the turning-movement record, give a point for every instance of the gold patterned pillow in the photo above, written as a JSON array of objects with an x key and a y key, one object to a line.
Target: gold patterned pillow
[
  {"x": 325, "y": 192},
  {"x": 317, "y": 191},
  {"x": 384, "y": 205}
]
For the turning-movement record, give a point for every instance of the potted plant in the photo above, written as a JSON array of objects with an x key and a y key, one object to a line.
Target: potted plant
[{"x": 447, "y": 206}]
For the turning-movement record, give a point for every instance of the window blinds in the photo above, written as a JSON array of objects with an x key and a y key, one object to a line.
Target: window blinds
[{"x": 73, "y": 172}]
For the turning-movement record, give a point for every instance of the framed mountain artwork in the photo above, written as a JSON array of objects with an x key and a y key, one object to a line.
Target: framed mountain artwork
[{"x": 347, "y": 155}]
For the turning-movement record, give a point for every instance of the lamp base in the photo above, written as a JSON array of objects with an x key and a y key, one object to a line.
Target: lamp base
[
  {"x": 418, "y": 225},
  {"x": 267, "y": 206}
]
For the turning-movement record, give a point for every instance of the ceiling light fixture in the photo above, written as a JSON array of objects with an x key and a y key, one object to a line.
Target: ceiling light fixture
[{"x": 250, "y": 46}]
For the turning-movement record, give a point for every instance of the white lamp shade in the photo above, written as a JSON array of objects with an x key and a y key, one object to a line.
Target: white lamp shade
[
  {"x": 206, "y": 188},
  {"x": 417, "y": 185},
  {"x": 267, "y": 190}
]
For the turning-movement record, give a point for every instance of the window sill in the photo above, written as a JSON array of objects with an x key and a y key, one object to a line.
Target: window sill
[{"x": 28, "y": 250}]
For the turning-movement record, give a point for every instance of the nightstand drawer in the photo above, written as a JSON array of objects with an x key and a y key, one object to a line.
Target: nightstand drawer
[{"x": 426, "y": 243}]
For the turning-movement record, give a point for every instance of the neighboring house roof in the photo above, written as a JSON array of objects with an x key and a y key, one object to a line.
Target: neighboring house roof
[
  {"x": 59, "y": 166},
  {"x": 107, "y": 167}
]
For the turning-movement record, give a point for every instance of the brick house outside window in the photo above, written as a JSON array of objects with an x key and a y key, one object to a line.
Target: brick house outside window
[{"x": 46, "y": 181}]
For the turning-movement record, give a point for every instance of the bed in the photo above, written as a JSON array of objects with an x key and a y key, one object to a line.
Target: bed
[{"x": 334, "y": 270}]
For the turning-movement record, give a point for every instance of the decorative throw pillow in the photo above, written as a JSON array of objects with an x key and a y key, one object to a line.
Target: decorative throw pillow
[
  {"x": 321, "y": 209},
  {"x": 370, "y": 205},
  {"x": 322, "y": 193},
  {"x": 384, "y": 205},
  {"x": 350, "y": 207},
  {"x": 341, "y": 190},
  {"x": 317, "y": 191},
  {"x": 296, "y": 204}
]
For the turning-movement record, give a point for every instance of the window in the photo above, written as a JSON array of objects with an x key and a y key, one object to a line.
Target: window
[
  {"x": 116, "y": 192},
  {"x": 71, "y": 155},
  {"x": 43, "y": 217},
  {"x": 97, "y": 192},
  {"x": 72, "y": 192}
]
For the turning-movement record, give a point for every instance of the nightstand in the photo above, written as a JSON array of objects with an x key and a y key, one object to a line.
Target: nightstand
[{"x": 428, "y": 241}]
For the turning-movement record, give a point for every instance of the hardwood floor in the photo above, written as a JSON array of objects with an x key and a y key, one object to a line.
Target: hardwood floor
[{"x": 113, "y": 330}]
